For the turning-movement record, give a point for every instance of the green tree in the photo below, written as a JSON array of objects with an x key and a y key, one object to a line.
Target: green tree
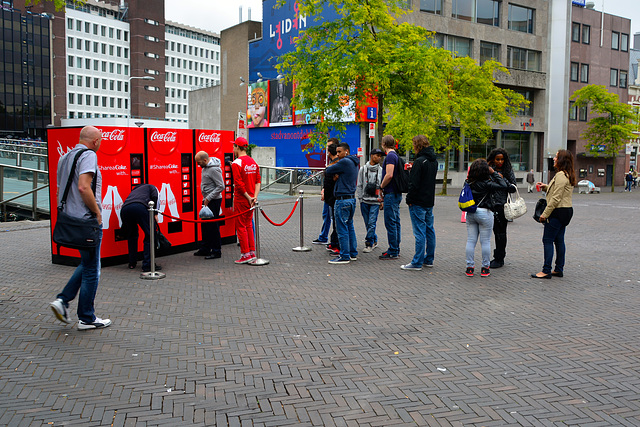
[
  {"x": 420, "y": 89},
  {"x": 365, "y": 51},
  {"x": 612, "y": 129},
  {"x": 58, "y": 3}
]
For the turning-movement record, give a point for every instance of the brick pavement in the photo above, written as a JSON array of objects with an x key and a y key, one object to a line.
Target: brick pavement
[{"x": 301, "y": 342}]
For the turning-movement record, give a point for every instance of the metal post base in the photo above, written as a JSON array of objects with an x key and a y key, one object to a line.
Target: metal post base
[
  {"x": 152, "y": 275},
  {"x": 259, "y": 261},
  {"x": 301, "y": 249}
]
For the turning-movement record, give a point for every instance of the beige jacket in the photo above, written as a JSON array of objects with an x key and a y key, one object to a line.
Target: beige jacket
[{"x": 559, "y": 193}]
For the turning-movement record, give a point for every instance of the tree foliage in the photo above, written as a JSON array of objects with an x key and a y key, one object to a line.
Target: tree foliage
[
  {"x": 420, "y": 89},
  {"x": 610, "y": 131},
  {"x": 59, "y": 4}
]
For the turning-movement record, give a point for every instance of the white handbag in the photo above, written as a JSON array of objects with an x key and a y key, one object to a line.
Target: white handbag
[{"x": 515, "y": 206}]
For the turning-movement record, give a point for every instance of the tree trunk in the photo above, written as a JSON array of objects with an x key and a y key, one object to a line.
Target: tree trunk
[
  {"x": 446, "y": 173},
  {"x": 613, "y": 177}
]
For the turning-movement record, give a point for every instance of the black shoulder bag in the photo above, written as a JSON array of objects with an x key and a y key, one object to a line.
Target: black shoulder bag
[{"x": 71, "y": 232}]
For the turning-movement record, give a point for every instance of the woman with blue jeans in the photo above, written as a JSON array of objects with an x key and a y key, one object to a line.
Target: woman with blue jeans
[
  {"x": 484, "y": 181},
  {"x": 557, "y": 214}
]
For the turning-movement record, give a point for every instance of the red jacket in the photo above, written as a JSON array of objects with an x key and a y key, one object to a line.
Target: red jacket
[{"x": 246, "y": 175}]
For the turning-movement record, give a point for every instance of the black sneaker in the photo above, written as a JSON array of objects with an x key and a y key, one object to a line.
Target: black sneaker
[
  {"x": 213, "y": 256},
  {"x": 469, "y": 271},
  {"x": 485, "y": 272},
  {"x": 496, "y": 264},
  {"x": 320, "y": 242},
  {"x": 387, "y": 255},
  {"x": 148, "y": 269},
  {"x": 201, "y": 253}
]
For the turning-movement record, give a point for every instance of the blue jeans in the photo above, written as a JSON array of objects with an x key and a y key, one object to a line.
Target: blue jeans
[
  {"x": 343, "y": 212},
  {"x": 553, "y": 236},
  {"x": 628, "y": 187},
  {"x": 84, "y": 279},
  {"x": 392, "y": 221},
  {"x": 370, "y": 216},
  {"x": 425, "y": 234},
  {"x": 479, "y": 224},
  {"x": 326, "y": 223}
]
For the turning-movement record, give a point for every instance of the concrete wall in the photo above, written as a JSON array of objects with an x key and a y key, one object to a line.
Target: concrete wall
[{"x": 204, "y": 109}]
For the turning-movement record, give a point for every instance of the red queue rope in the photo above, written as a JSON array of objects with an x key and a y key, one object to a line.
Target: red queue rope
[
  {"x": 285, "y": 221},
  {"x": 205, "y": 220}
]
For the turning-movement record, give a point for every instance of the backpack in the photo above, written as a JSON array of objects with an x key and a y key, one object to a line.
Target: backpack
[
  {"x": 465, "y": 201},
  {"x": 401, "y": 177}
]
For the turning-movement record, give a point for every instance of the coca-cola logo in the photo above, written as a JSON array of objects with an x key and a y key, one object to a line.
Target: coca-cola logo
[
  {"x": 164, "y": 142},
  {"x": 164, "y": 137},
  {"x": 213, "y": 137},
  {"x": 251, "y": 168},
  {"x": 113, "y": 141}
]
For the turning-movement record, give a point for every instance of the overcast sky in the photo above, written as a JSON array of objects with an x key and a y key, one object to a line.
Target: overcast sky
[{"x": 216, "y": 15}]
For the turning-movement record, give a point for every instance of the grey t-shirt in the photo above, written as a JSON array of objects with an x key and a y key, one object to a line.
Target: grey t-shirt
[{"x": 87, "y": 163}]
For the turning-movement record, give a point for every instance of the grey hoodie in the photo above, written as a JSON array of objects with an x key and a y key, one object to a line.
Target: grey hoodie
[
  {"x": 212, "y": 183},
  {"x": 368, "y": 174}
]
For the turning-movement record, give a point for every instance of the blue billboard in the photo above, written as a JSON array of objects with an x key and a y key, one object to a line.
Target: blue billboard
[
  {"x": 292, "y": 144},
  {"x": 280, "y": 27}
]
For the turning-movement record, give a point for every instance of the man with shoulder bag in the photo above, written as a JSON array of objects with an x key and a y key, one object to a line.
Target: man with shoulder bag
[{"x": 81, "y": 183}]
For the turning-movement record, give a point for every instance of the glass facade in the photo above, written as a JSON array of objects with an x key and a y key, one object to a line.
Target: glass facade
[
  {"x": 25, "y": 80},
  {"x": 517, "y": 145}
]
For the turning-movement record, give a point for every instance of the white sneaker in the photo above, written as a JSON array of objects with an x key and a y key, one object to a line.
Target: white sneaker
[
  {"x": 60, "y": 311},
  {"x": 96, "y": 324},
  {"x": 367, "y": 249}
]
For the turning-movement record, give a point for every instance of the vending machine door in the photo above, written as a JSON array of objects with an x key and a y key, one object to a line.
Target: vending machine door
[
  {"x": 170, "y": 167},
  {"x": 219, "y": 144}
]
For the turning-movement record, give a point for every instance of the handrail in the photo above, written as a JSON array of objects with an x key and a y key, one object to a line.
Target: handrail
[
  {"x": 34, "y": 191},
  {"x": 2, "y": 202},
  {"x": 292, "y": 175},
  {"x": 295, "y": 187}
]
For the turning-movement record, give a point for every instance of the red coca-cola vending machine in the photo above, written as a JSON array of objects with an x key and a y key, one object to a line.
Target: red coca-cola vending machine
[
  {"x": 121, "y": 163},
  {"x": 171, "y": 168},
  {"x": 218, "y": 144}
]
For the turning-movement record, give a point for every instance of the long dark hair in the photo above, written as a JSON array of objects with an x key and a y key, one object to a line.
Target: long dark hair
[
  {"x": 565, "y": 164},
  {"x": 478, "y": 171},
  {"x": 506, "y": 166}
]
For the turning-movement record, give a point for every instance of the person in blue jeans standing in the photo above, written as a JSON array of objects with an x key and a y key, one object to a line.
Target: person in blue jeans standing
[
  {"x": 345, "y": 203},
  {"x": 392, "y": 198},
  {"x": 484, "y": 183},
  {"x": 368, "y": 193},
  {"x": 327, "y": 209},
  {"x": 420, "y": 199}
]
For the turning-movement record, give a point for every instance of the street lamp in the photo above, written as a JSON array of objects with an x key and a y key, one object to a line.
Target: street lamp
[{"x": 130, "y": 104}]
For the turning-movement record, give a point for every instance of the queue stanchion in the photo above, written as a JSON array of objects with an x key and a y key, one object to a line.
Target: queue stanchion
[
  {"x": 256, "y": 223},
  {"x": 153, "y": 274},
  {"x": 302, "y": 247}
]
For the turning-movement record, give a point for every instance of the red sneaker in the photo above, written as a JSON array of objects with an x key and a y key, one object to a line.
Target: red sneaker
[{"x": 244, "y": 259}]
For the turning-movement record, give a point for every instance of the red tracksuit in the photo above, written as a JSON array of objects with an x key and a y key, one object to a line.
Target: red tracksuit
[{"x": 246, "y": 175}]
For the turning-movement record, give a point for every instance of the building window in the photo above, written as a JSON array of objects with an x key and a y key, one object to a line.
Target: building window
[
  {"x": 623, "y": 79},
  {"x": 574, "y": 72},
  {"x": 481, "y": 11},
  {"x": 521, "y": 18},
  {"x": 528, "y": 110},
  {"x": 575, "y": 32},
  {"x": 86, "y": 27},
  {"x": 69, "y": 24},
  {"x": 624, "y": 42},
  {"x": 78, "y": 25},
  {"x": 615, "y": 40},
  {"x": 582, "y": 113},
  {"x": 586, "y": 34},
  {"x": 573, "y": 111},
  {"x": 95, "y": 29},
  {"x": 459, "y": 46},
  {"x": 613, "y": 77},
  {"x": 110, "y": 33},
  {"x": 523, "y": 59},
  {"x": 489, "y": 52},
  {"x": 584, "y": 73}
]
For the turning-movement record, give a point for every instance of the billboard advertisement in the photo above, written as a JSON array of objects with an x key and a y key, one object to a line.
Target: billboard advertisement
[
  {"x": 258, "y": 105},
  {"x": 293, "y": 145},
  {"x": 280, "y": 103}
]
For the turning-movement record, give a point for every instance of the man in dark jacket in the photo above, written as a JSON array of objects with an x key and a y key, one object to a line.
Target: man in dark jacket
[
  {"x": 345, "y": 204},
  {"x": 134, "y": 213},
  {"x": 420, "y": 198},
  {"x": 327, "y": 197}
]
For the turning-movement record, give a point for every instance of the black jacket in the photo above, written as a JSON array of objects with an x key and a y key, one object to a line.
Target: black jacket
[
  {"x": 328, "y": 184},
  {"x": 484, "y": 192},
  {"x": 422, "y": 179},
  {"x": 500, "y": 196}
]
